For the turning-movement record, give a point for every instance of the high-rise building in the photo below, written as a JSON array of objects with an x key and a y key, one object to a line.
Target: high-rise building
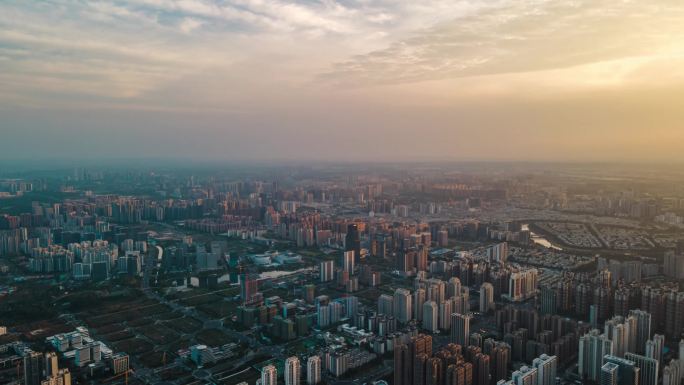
[
  {"x": 654, "y": 348},
  {"x": 481, "y": 366},
  {"x": 601, "y": 304},
  {"x": 33, "y": 368},
  {"x": 453, "y": 287},
  {"x": 348, "y": 261},
  {"x": 327, "y": 271},
  {"x": 402, "y": 365},
  {"x": 51, "y": 364},
  {"x": 418, "y": 301},
  {"x": 403, "y": 311},
  {"x": 643, "y": 329},
  {"x": 674, "y": 314},
  {"x": 621, "y": 301},
  {"x": 120, "y": 363},
  {"x": 433, "y": 371},
  {"x": 648, "y": 368},
  {"x": 436, "y": 290},
  {"x": 443, "y": 238},
  {"x": 522, "y": 285},
  {"x": 419, "y": 368},
  {"x": 681, "y": 355},
  {"x": 430, "y": 317},
  {"x": 501, "y": 358},
  {"x": 352, "y": 242},
  {"x": 269, "y": 375},
  {"x": 525, "y": 376},
  {"x": 386, "y": 304},
  {"x": 249, "y": 290},
  {"x": 618, "y": 331},
  {"x": 486, "y": 297},
  {"x": 292, "y": 371},
  {"x": 671, "y": 374},
  {"x": 548, "y": 300},
  {"x": 498, "y": 253},
  {"x": 422, "y": 343},
  {"x": 460, "y": 328},
  {"x": 627, "y": 374},
  {"x": 546, "y": 369},
  {"x": 609, "y": 374},
  {"x": 592, "y": 347},
  {"x": 445, "y": 311},
  {"x": 421, "y": 258},
  {"x": 313, "y": 370},
  {"x": 673, "y": 265}
]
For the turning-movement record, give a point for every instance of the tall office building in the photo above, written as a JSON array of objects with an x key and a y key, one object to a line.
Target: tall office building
[
  {"x": 292, "y": 371},
  {"x": 352, "y": 242},
  {"x": 403, "y": 311},
  {"x": 313, "y": 370},
  {"x": 648, "y": 368},
  {"x": 592, "y": 347},
  {"x": 269, "y": 375},
  {"x": 486, "y": 297},
  {"x": 460, "y": 328},
  {"x": 546, "y": 369},
  {"x": 327, "y": 272},
  {"x": 609, "y": 374},
  {"x": 430, "y": 317}
]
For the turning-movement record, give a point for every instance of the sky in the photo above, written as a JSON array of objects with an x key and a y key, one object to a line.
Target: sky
[{"x": 348, "y": 80}]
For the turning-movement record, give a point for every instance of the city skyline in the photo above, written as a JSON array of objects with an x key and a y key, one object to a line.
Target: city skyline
[
  {"x": 352, "y": 80},
  {"x": 335, "y": 273}
]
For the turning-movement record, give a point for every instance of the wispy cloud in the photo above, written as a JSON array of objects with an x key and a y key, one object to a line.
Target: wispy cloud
[
  {"x": 139, "y": 50},
  {"x": 522, "y": 36}
]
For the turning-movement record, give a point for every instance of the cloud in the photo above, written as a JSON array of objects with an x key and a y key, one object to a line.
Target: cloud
[
  {"x": 189, "y": 24},
  {"x": 347, "y": 77},
  {"x": 522, "y": 36}
]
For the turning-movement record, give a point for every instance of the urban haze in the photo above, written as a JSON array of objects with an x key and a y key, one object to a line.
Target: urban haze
[{"x": 343, "y": 192}]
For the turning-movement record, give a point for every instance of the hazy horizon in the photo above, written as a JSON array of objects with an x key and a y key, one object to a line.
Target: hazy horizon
[{"x": 352, "y": 80}]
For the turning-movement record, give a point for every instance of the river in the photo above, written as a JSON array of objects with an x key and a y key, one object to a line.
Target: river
[{"x": 540, "y": 240}]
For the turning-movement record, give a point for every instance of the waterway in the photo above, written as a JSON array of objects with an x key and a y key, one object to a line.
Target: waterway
[{"x": 540, "y": 240}]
